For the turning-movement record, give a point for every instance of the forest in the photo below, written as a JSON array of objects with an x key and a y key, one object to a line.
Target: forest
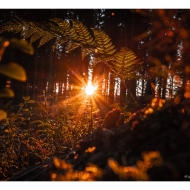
[{"x": 94, "y": 95}]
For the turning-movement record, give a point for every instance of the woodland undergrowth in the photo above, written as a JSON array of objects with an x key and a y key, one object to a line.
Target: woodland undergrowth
[
  {"x": 33, "y": 132},
  {"x": 151, "y": 145}
]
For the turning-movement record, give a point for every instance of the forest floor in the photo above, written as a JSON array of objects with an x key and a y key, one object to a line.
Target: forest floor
[{"x": 153, "y": 145}]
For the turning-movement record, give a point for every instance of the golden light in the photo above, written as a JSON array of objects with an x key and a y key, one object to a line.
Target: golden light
[{"x": 90, "y": 89}]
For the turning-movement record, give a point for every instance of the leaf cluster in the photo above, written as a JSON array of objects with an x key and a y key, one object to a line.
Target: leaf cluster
[
  {"x": 74, "y": 34},
  {"x": 13, "y": 70}
]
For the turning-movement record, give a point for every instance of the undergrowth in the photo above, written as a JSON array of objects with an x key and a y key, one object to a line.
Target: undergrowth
[{"x": 33, "y": 132}]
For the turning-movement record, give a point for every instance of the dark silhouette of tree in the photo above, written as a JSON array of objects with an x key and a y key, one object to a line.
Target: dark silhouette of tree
[{"x": 167, "y": 45}]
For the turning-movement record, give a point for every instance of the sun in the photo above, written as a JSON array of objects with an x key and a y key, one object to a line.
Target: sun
[{"x": 90, "y": 89}]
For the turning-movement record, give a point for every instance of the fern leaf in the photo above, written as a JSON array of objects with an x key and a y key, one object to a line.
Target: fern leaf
[
  {"x": 45, "y": 39},
  {"x": 59, "y": 41},
  {"x": 85, "y": 52},
  {"x": 126, "y": 63},
  {"x": 63, "y": 24},
  {"x": 84, "y": 35},
  {"x": 71, "y": 46},
  {"x": 27, "y": 33},
  {"x": 11, "y": 27},
  {"x": 103, "y": 42},
  {"x": 35, "y": 36},
  {"x": 97, "y": 60}
]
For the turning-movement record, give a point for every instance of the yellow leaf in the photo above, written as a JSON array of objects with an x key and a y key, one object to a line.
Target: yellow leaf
[
  {"x": 13, "y": 70},
  {"x": 3, "y": 115},
  {"x": 44, "y": 125},
  {"x": 128, "y": 113},
  {"x": 6, "y": 92},
  {"x": 25, "y": 109},
  {"x": 26, "y": 98},
  {"x": 30, "y": 101},
  {"x": 36, "y": 121},
  {"x": 22, "y": 45},
  {"x": 21, "y": 104}
]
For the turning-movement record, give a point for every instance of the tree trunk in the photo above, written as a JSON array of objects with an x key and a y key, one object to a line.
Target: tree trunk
[
  {"x": 111, "y": 89},
  {"x": 122, "y": 94},
  {"x": 131, "y": 91},
  {"x": 50, "y": 73}
]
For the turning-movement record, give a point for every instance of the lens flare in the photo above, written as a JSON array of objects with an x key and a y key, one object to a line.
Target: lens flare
[{"x": 90, "y": 89}]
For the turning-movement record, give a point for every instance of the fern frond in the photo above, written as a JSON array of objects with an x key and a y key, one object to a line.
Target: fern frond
[
  {"x": 103, "y": 42},
  {"x": 27, "y": 33},
  {"x": 11, "y": 27},
  {"x": 71, "y": 46},
  {"x": 85, "y": 52},
  {"x": 125, "y": 63},
  {"x": 59, "y": 41},
  {"x": 84, "y": 35},
  {"x": 63, "y": 24},
  {"x": 125, "y": 56},
  {"x": 66, "y": 29},
  {"x": 72, "y": 35},
  {"x": 35, "y": 36},
  {"x": 97, "y": 60},
  {"x": 45, "y": 39}
]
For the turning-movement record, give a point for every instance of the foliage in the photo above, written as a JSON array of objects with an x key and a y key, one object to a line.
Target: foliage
[
  {"x": 33, "y": 132},
  {"x": 168, "y": 29},
  {"x": 166, "y": 43},
  {"x": 139, "y": 171},
  {"x": 149, "y": 152},
  {"x": 152, "y": 146},
  {"x": 91, "y": 172},
  {"x": 12, "y": 70},
  {"x": 125, "y": 63},
  {"x": 74, "y": 34}
]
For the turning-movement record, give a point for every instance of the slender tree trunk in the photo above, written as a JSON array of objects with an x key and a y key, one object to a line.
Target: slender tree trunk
[
  {"x": 111, "y": 90},
  {"x": 50, "y": 73},
  {"x": 164, "y": 83},
  {"x": 186, "y": 81},
  {"x": 131, "y": 91},
  {"x": 42, "y": 80},
  {"x": 34, "y": 84},
  {"x": 122, "y": 94},
  {"x": 51, "y": 65},
  {"x": 149, "y": 94}
]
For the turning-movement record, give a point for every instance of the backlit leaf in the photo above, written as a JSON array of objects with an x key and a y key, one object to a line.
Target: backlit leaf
[
  {"x": 30, "y": 101},
  {"x": 26, "y": 98},
  {"x": 36, "y": 121},
  {"x": 21, "y": 104},
  {"x": 22, "y": 45},
  {"x": 44, "y": 124},
  {"x": 25, "y": 109},
  {"x": 3, "y": 115},
  {"x": 13, "y": 70},
  {"x": 6, "y": 92}
]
